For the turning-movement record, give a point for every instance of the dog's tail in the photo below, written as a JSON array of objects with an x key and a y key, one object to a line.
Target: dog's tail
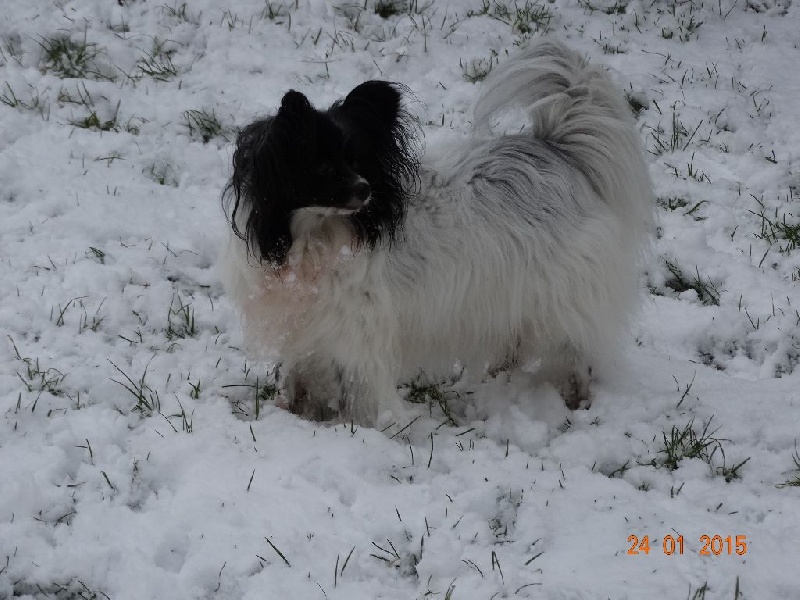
[{"x": 579, "y": 110}]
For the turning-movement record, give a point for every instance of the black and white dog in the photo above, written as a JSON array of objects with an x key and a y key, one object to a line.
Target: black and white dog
[{"x": 361, "y": 265}]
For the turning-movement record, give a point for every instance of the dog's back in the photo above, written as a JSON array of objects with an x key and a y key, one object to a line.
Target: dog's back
[
  {"x": 544, "y": 227},
  {"x": 578, "y": 110}
]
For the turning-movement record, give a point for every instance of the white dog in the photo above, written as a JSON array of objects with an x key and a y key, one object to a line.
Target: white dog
[{"x": 362, "y": 266}]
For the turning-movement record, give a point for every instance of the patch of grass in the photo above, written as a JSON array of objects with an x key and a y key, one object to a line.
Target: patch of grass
[
  {"x": 73, "y": 59},
  {"x": 91, "y": 322},
  {"x": 36, "y": 378},
  {"x": 132, "y": 125},
  {"x": 85, "y": 322},
  {"x": 678, "y": 138},
  {"x": 477, "y": 69},
  {"x": 97, "y": 254},
  {"x": 636, "y": 102},
  {"x": 692, "y": 212},
  {"x": 11, "y": 50},
  {"x": 685, "y": 24},
  {"x": 62, "y": 311},
  {"x": 415, "y": 8},
  {"x": 176, "y": 11},
  {"x": 162, "y": 174},
  {"x": 337, "y": 572},
  {"x": 390, "y": 8},
  {"x": 672, "y": 202},
  {"x": 618, "y": 472},
  {"x": 195, "y": 389},
  {"x": 120, "y": 28},
  {"x": 680, "y": 282},
  {"x": 794, "y": 474},
  {"x": 147, "y": 399},
  {"x": 74, "y": 589},
  {"x": 180, "y": 320},
  {"x": 523, "y": 18},
  {"x": 618, "y": 8},
  {"x": 688, "y": 28},
  {"x": 275, "y": 548},
  {"x": 265, "y": 390},
  {"x": 276, "y": 12},
  {"x": 691, "y": 172},
  {"x": 505, "y": 520},
  {"x": 185, "y": 420},
  {"x": 530, "y": 17},
  {"x": 109, "y": 160},
  {"x": 434, "y": 395},
  {"x": 204, "y": 124},
  {"x": 687, "y": 442},
  {"x": 230, "y": 19},
  {"x": 776, "y": 229},
  {"x": 700, "y": 593},
  {"x": 93, "y": 121},
  {"x": 10, "y": 98},
  {"x": 157, "y": 64},
  {"x": 405, "y": 562},
  {"x": 730, "y": 473},
  {"x": 607, "y": 46}
]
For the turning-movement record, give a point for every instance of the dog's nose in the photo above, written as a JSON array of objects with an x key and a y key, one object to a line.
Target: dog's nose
[
  {"x": 361, "y": 191},
  {"x": 359, "y": 194}
]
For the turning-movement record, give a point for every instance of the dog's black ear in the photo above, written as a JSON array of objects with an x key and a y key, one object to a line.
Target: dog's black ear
[
  {"x": 295, "y": 102},
  {"x": 257, "y": 198},
  {"x": 381, "y": 141},
  {"x": 381, "y": 99}
]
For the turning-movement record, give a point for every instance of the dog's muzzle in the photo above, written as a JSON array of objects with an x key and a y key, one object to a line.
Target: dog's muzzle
[{"x": 359, "y": 194}]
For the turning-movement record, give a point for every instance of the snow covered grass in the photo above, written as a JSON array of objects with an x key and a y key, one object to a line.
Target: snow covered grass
[{"x": 144, "y": 454}]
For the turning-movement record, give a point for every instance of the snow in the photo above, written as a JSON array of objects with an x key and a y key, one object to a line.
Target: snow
[{"x": 137, "y": 459}]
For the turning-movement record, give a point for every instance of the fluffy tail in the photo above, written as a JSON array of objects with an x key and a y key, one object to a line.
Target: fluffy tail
[{"x": 578, "y": 109}]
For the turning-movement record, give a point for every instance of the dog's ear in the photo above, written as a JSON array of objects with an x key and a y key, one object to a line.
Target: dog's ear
[
  {"x": 257, "y": 199},
  {"x": 380, "y": 99},
  {"x": 295, "y": 102},
  {"x": 381, "y": 139}
]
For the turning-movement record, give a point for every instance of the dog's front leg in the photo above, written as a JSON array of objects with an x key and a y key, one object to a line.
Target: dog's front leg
[
  {"x": 324, "y": 389},
  {"x": 313, "y": 389}
]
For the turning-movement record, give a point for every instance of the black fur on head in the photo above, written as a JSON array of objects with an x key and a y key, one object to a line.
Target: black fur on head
[{"x": 360, "y": 155}]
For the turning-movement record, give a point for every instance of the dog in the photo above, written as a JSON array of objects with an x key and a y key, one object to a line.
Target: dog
[{"x": 359, "y": 263}]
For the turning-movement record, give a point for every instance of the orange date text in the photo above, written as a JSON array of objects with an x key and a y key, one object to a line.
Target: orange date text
[{"x": 709, "y": 545}]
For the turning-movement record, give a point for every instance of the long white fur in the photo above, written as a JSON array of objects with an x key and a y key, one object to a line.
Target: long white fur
[{"x": 519, "y": 246}]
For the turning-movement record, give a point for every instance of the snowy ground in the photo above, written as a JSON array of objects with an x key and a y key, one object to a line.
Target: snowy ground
[{"x": 141, "y": 455}]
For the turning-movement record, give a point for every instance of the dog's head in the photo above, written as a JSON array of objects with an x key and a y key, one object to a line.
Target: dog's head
[{"x": 357, "y": 158}]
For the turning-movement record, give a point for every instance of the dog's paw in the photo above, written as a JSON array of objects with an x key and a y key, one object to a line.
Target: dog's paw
[
  {"x": 576, "y": 392},
  {"x": 307, "y": 398}
]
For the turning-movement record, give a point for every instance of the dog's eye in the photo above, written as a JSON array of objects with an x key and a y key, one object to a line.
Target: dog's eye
[{"x": 350, "y": 158}]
